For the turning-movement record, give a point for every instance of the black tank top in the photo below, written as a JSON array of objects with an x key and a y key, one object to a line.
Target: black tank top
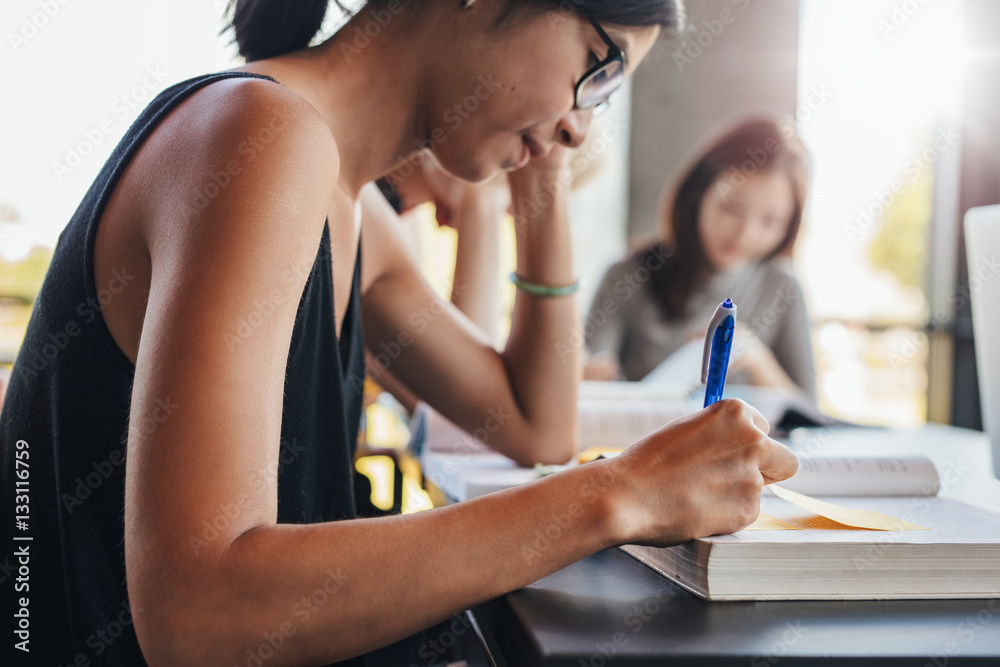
[{"x": 69, "y": 399}]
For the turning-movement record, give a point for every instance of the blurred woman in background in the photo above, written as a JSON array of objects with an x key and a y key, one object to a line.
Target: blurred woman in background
[{"x": 728, "y": 228}]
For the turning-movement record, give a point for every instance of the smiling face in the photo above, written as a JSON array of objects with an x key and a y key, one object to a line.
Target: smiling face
[
  {"x": 507, "y": 93},
  {"x": 738, "y": 225}
]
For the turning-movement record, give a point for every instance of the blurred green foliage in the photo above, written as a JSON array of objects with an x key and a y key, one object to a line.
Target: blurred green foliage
[
  {"x": 24, "y": 279},
  {"x": 900, "y": 243}
]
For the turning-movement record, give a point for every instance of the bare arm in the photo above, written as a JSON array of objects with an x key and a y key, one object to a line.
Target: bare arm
[
  {"x": 476, "y": 288},
  {"x": 521, "y": 401},
  {"x": 476, "y": 213}
]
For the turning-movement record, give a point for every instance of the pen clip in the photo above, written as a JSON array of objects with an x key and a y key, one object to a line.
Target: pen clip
[{"x": 721, "y": 313}]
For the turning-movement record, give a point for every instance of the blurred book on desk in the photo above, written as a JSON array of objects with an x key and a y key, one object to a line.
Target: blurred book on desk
[{"x": 614, "y": 415}]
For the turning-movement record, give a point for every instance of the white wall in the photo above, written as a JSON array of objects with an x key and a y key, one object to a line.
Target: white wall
[
  {"x": 736, "y": 57},
  {"x": 75, "y": 75}
]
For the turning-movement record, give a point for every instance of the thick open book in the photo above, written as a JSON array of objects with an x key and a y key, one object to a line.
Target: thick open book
[{"x": 878, "y": 532}]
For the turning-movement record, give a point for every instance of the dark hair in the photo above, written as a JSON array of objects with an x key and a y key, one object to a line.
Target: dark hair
[
  {"x": 632, "y": 13},
  {"x": 268, "y": 28},
  {"x": 751, "y": 146}
]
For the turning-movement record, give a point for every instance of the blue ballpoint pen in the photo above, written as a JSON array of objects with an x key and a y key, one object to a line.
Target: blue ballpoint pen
[{"x": 718, "y": 344}]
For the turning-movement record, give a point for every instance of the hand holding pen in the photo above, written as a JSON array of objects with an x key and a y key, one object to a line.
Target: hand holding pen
[{"x": 700, "y": 474}]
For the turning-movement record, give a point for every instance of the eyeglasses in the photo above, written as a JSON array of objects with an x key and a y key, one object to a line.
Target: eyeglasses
[{"x": 602, "y": 79}]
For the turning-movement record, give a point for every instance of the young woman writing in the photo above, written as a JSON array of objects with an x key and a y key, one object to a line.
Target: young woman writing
[{"x": 218, "y": 383}]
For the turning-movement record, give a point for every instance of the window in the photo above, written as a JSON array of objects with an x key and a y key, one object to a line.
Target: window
[{"x": 879, "y": 91}]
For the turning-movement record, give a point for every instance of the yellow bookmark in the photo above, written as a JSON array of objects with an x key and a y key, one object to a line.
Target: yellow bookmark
[{"x": 849, "y": 517}]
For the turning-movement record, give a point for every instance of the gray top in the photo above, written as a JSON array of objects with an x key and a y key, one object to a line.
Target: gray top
[{"x": 625, "y": 318}]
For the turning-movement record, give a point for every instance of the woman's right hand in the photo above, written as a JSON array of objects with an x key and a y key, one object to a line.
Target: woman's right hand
[{"x": 699, "y": 475}]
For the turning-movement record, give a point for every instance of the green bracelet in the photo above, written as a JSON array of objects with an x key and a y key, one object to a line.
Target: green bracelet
[{"x": 544, "y": 290}]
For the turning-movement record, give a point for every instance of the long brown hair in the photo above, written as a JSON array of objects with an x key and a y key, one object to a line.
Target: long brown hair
[{"x": 753, "y": 145}]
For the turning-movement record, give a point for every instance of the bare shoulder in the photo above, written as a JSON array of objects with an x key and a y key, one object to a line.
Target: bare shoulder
[
  {"x": 266, "y": 111},
  {"x": 238, "y": 144},
  {"x": 240, "y": 164},
  {"x": 244, "y": 171}
]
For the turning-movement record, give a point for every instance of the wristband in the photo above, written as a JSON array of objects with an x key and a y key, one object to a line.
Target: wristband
[{"x": 544, "y": 290}]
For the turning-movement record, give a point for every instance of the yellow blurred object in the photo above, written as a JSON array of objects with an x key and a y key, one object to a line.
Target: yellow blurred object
[
  {"x": 19, "y": 284},
  {"x": 434, "y": 494},
  {"x": 23, "y": 279},
  {"x": 370, "y": 393},
  {"x": 385, "y": 428},
  {"x": 378, "y": 469},
  {"x": 394, "y": 471},
  {"x": 591, "y": 453},
  {"x": 415, "y": 499},
  {"x": 14, "y": 316}
]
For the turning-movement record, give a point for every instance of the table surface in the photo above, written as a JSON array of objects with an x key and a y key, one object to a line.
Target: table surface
[{"x": 610, "y": 606}]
